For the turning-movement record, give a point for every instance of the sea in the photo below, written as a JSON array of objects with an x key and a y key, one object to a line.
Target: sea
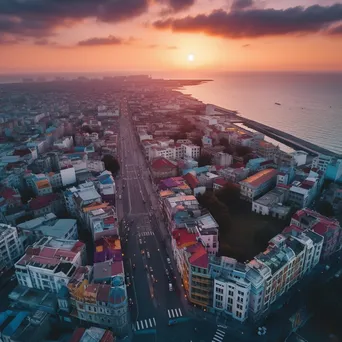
[{"x": 307, "y": 105}]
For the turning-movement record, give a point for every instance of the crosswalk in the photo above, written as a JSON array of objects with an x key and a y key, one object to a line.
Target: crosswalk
[
  {"x": 149, "y": 323},
  {"x": 146, "y": 234},
  {"x": 219, "y": 335},
  {"x": 174, "y": 313}
]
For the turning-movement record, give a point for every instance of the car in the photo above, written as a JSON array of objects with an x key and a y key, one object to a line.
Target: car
[
  {"x": 142, "y": 252},
  {"x": 168, "y": 261},
  {"x": 151, "y": 269},
  {"x": 128, "y": 281},
  {"x": 120, "y": 197},
  {"x": 170, "y": 287},
  {"x": 167, "y": 272},
  {"x": 140, "y": 241},
  {"x": 133, "y": 266},
  {"x": 148, "y": 255},
  {"x": 130, "y": 301},
  {"x": 14, "y": 277}
]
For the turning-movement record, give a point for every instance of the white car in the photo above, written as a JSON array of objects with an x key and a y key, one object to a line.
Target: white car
[
  {"x": 168, "y": 261},
  {"x": 170, "y": 287}
]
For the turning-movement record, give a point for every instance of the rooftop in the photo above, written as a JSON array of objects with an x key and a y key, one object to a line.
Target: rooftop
[
  {"x": 198, "y": 255},
  {"x": 260, "y": 177}
]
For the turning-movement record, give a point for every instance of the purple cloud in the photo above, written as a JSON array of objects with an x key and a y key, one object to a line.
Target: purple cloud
[{"x": 252, "y": 23}]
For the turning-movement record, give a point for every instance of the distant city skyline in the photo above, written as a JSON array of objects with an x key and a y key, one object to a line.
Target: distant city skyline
[{"x": 190, "y": 35}]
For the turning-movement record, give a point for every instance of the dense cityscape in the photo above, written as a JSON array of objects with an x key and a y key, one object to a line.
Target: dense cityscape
[{"x": 131, "y": 211}]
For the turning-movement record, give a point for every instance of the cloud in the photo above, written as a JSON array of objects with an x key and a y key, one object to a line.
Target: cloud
[
  {"x": 252, "y": 23},
  {"x": 238, "y": 5},
  {"x": 176, "y": 5},
  {"x": 335, "y": 31},
  {"x": 171, "y": 47},
  {"x": 246, "y": 45},
  {"x": 100, "y": 41},
  {"x": 152, "y": 46},
  {"x": 41, "y": 18}
]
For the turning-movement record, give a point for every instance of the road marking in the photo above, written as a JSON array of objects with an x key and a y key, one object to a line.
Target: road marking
[
  {"x": 150, "y": 322},
  {"x": 217, "y": 339},
  {"x": 168, "y": 313},
  {"x": 138, "y": 326},
  {"x": 154, "y": 321},
  {"x": 218, "y": 332},
  {"x": 180, "y": 312},
  {"x": 146, "y": 323}
]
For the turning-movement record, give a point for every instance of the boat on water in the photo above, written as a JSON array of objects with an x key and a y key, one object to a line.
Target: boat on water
[{"x": 277, "y": 103}]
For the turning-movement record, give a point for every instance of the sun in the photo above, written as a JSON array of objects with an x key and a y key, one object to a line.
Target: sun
[{"x": 191, "y": 57}]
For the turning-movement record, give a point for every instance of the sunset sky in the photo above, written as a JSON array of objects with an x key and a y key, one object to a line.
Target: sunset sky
[{"x": 151, "y": 35}]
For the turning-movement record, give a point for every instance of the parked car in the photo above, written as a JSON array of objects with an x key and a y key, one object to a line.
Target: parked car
[
  {"x": 170, "y": 287},
  {"x": 168, "y": 261}
]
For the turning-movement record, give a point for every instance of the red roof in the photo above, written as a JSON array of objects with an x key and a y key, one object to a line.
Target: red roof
[
  {"x": 191, "y": 180},
  {"x": 220, "y": 181},
  {"x": 22, "y": 152},
  {"x": 199, "y": 256},
  {"x": 184, "y": 238},
  {"x": 77, "y": 335},
  {"x": 42, "y": 201},
  {"x": 162, "y": 163}
]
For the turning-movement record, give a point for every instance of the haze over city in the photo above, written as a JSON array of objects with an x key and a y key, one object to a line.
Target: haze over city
[{"x": 148, "y": 35}]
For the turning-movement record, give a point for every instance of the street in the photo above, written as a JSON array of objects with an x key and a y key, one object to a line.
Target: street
[{"x": 155, "y": 292}]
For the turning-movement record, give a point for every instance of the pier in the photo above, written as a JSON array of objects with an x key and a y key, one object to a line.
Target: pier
[{"x": 288, "y": 139}]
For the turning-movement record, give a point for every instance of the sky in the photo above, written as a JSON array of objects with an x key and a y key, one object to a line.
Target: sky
[{"x": 160, "y": 35}]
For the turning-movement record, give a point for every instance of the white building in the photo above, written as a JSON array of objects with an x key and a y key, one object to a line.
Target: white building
[
  {"x": 299, "y": 157},
  {"x": 68, "y": 176},
  {"x": 231, "y": 290},
  {"x": 207, "y": 229},
  {"x": 166, "y": 152},
  {"x": 223, "y": 159},
  {"x": 95, "y": 165},
  {"x": 191, "y": 150},
  {"x": 49, "y": 264},
  {"x": 303, "y": 193},
  {"x": 64, "y": 143},
  {"x": 144, "y": 136},
  {"x": 321, "y": 162},
  {"x": 11, "y": 247}
]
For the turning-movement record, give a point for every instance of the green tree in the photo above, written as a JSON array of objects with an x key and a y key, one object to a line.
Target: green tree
[
  {"x": 325, "y": 208},
  {"x": 111, "y": 164},
  {"x": 204, "y": 159},
  {"x": 229, "y": 195}
]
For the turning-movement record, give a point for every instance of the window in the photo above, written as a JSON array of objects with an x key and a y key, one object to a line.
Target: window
[{"x": 239, "y": 306}]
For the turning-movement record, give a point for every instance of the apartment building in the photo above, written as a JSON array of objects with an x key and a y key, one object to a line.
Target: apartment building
[
  {"x": 207, "y": 230},
  {"x": 101, "y": 304},
  {"x": 303, "y": 193},
  {"x": 307, "y": 219},
  {"x": 313, "y": 245},
  {"x": 231, "y": 289},
  {"x": 258, "y": 184},
  {"x": 321, "y": 162},
  {"x": 11, "y": 246},
  {"x": 49, "y": 264},
  {"x": 234, "y": 175},
  {"x": 191, "y": 150},
  {"x": 285, "y": 258},
  {"x": 267, "y": 150},
  {"x": 48, "y": 225}
]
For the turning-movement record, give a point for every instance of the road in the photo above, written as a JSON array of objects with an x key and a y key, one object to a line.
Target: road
[{"x": 145, "y": 247}]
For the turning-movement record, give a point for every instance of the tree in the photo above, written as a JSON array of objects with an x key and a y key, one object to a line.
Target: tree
[
  {"x": 224, "y": 142},
  {"x": 197, "y": 141},
  {"x": 204, "y": 159},
  {"x": 111, "y": 164},
  {"x": 229, "y": 195},
  {"x": 87, "y": 129},
  {"x": 325, "y": 208},
  {"x": 243, "y": 150}
]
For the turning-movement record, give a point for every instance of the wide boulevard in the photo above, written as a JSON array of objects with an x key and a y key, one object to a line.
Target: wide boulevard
[{"x": 155, "y": 292}]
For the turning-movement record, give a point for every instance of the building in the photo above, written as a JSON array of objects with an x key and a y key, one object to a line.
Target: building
[
  {"x": 313, "y": 245},
  {"x": 223, "y": 159},
  {"x": 231, "y": 289},
  {"x": 192, "y": 151},
  {"x": 48, "y": 225},
  {"x": 11, "y": 246},
  {"x": 329, "y": 228},
  {"x": 321, "y": 162},
  {"x": 234, "y": 175},
  {"x": 106, "y": 187},
  {"x": 207, "y": 231},
  {"x": 105, "y": 305},
  {"x": 49, "y": 264},
  {"x": 20, "y": 326},
  {"x": 46, "y": 204},
  {"x": 267, "y": 150},
  {"x": 334, "y": 171},
  {"x": 92, "y": 334},
  {"x": 272, "y": 204},
  {"x": 258, "y": 184},
  {"x": 219, "y": 183},
  {"x": 163, "y": 168},
  {"x": 299, "y": 157},
  {"x": 303, "y": 193}
]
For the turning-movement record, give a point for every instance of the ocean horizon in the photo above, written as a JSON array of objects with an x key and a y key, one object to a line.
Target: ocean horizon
[{"x": 309, "y": 105}]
